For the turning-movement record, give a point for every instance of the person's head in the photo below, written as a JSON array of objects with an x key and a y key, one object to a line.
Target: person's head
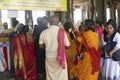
[
  {"x": 5, "y": 25},
  {"x": 39, "y": 20},
  {"x": 22, "y": 30},
  {"x": 14, "y": 23},
  {"x": 45, "y": 20},
  {"x": 54, "y": 20},
  {"x": 97, "y": 23},
  {"x": 19, "y": 28},
  {"x": 110, "y": 26},
  {"x": 68, "y": 26},
  {"x": 25, "y": 28},
  {"x": 88, "y": 24},
  {"x": 101, "y": 23}
]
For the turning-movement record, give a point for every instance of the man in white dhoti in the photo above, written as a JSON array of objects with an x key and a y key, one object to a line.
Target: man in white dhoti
[{"x": 49, "y": 40}]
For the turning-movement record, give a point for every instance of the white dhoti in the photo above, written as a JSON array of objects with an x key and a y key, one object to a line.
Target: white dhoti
[{"x": 54, "y": 71}]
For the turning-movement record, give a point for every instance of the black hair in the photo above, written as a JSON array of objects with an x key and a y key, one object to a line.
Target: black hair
[
  {"x": 71, "y": 35},
  {"x": 25, "y": 29},
  {"x": 80, "y": 26},
  {"x": 14, "y": 23},
  {"x": 101, "y": 23},
  {"x": 111, "y": 22},
  {"x": 67, "y": 26},
  {"x": 89, "y": 24},
  {"x": 97, "y": 21}
]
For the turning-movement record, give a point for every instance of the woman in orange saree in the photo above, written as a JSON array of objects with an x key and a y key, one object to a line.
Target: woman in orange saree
[
  {"x": 88, "y": 68},
  {"x": 24, "y": 55},
  {"x": 72, "y": 73}
]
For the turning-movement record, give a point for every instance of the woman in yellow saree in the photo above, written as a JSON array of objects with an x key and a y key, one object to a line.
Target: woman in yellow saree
[
  {"x": 72, "y": 73},
  {"x": 88, "y": 68}
]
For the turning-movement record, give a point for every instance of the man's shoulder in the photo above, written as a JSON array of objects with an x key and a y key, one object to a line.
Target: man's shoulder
[
  {"x": 41, "y": 27},
  {"x": 8, "y": 31},
  {"x": 46, "y": 30}
]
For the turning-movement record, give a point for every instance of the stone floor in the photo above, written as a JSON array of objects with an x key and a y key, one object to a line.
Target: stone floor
[{"x": 6, "y": 76}]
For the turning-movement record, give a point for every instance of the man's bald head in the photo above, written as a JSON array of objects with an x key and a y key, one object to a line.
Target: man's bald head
[{"x": 54, "y": 20}]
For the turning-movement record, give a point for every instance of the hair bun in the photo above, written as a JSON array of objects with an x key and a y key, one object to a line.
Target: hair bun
[{"x": 89, "y": 23}]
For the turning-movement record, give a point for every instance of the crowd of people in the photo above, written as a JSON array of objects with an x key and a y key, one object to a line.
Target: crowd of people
[{"x": 63, "y": 53}]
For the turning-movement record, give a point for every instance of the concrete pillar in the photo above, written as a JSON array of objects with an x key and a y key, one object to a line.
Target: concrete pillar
[
  {"x": 88, "y": 12},
  {"x": 92, "y": 9},
  {"x": 104, "y": 5},
  {"x": 0, "y": 19},
  {"x": 62, "y": 16},
  {"x": 84, "y": 14},
  {"x": 28, "y": 18},
  {"x": 113, "y": 10},
  {"x": 98, "y": 9},
  {"x": 69, "y": 13},
  {"x": 119, "y": 16}
]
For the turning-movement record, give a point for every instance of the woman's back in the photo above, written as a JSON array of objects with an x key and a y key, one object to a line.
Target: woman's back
[{"x": 91, "y": 38}]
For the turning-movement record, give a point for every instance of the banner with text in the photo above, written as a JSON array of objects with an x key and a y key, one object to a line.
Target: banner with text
[{"x": 47, "y": 5}]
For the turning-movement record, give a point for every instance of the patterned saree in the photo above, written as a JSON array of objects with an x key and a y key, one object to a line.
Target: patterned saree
[
  {"x": 72, "y": 73},
  {"x": 24, "y": 57},
  {"x": 87, "y": 68}
]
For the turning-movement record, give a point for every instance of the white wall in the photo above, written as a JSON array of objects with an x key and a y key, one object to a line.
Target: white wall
[
  {"x": 21, "y": 16},
  {"x": 37, "y": 14}
]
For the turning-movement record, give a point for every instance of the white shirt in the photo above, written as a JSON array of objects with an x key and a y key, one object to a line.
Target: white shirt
[
  {"x": 49, "y": 38},
  {"x": 117, "y": 39}
]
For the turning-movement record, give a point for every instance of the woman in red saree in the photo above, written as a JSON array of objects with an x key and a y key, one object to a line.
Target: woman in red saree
[{"x": 24, "y": 55}]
